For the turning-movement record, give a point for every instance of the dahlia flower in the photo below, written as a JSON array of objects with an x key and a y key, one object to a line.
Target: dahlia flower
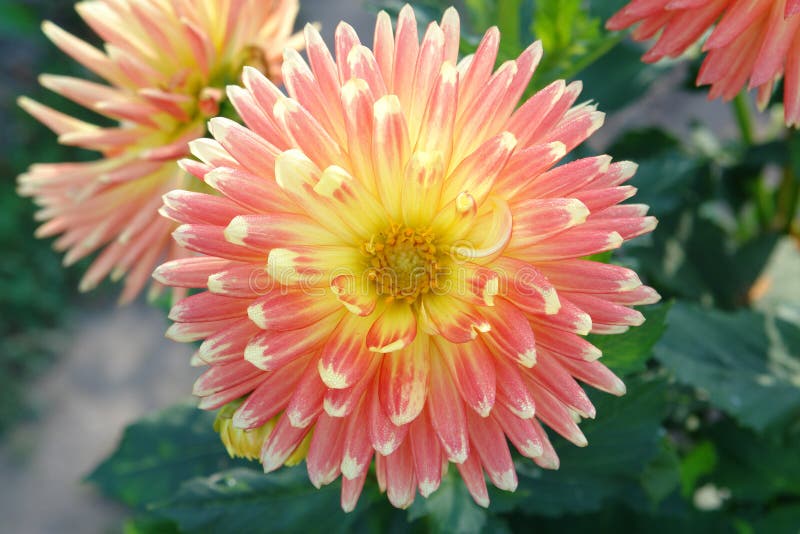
[
  {"x": 166, "y": 63},
  {"x": 393, "y": 265},
  {"x": 753, "y": 43}
]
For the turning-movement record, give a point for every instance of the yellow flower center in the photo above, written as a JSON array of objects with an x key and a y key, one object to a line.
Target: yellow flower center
[{"x": 403, "y": 262}]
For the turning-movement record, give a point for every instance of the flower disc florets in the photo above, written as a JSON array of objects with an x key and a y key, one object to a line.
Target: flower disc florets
[{"x": 404, "y": 262}]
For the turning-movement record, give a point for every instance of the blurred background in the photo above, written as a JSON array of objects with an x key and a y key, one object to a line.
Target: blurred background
[{"x": 75, "y": 369}]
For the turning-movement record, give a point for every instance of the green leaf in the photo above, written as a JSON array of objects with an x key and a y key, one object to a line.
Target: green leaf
[
  {"x": 605, "y": 8},
  {"x": 245, "y": 500},
  {"x": 509, "y": 23},
  {"x": 615, "y": 519},
  {"x": 158, "y": 453},
  {"x": 450, "y": 508},
  {"x": 17, "y": 20},
  {"x": 783, "y": 520},
  {"x": 149, "y": 525},
  {"x": 619, "y": 77},
  {"x": 629, "y": 352},
  {"x": 778, "y": 291},
  {"x": 756, "y": 468},
  {"x": 699, "y": 462},
  {"x": 740, "y": 360},
  {"x": 481, "y": 12},
  {"x": 570, "y": 36},
  {"x": 622, "y": 441},
  {"x": 662, "y": 475}
]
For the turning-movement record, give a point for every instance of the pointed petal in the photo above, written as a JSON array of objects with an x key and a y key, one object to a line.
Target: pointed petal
[
  {"x": 448, "y": 417},
  {"x": 404, "y": 381},
  {"x": 393, "y": 330}
]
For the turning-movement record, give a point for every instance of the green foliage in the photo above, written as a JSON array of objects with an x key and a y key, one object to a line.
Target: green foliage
[
  {"x": 245, "y": 500},
  {"x": 663, "y": 474},
  {"x": 756, "y": 468},
  {"x": 566, "y": 30},
  {"x": 158, "y": 453},
  {"x": 149, "y": 525},
  {"x": 622, "y": 442},
  {"x": 739, "y": 360},
  {"x": 18, "y": 20},
  {"x": 698, "y": 462},
  {"x": 450, "y": 509}
]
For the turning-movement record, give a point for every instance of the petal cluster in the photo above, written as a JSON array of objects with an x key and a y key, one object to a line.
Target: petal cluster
[
  {"x": 163, "y": 69},
  {"x": 393, "y": 265},
  {"x": 752, "y": 43}
]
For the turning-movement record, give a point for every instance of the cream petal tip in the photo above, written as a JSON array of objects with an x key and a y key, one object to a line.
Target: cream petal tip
[
  {"x": 614, "y": 240},
  {"x": 481, "y": 501},
  {"x": 332, "y": 378},
  {"x": 508, "y": 141},
  {"x": 598, "y": 119},
  {"x": 531, "y": 449},
  {"x": 630, "y": 282},
  {"x": 458, "y": 456},
  {"x": 391, "y": 347},
  {"x": 636, "y": 318},
  {"x": 528, "y": 358},
  {"x": 256, "y": 314},
  {"x": 215, "y": 283},
  {"x": 552, "y": 304},
  {"x": 618, "y": 388},
  {"x": 86, "y": 285},
  {"x": 577, "y": 210},
  {"x": 507, "y": 480},
  {"x": 557, "y": 150},
  {"x": 174, "y": 333},
  {"x": 270, "y": 462},
  {"x": 353, "y": 88},
  {"x": 351, "y": 468},
  {"x": 427, "y": 487},
  {"x": 629, "y": 168},
  {"x": 583, "y": 324},
  {"x": 448, "y": 73},
  {"x": 649, "y": 224},
  {"x": 236, "y": 231},
  {"x": 334, "y": 411},
  {"x": 387, "y": 105},
  {"x": 591, "y": 353}
]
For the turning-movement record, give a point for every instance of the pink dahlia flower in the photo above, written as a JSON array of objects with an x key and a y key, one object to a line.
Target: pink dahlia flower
[
  {"x": 165, "y": 64},
  {"x": 393, "y": 265},
  {"x": 753, "y": 43}
]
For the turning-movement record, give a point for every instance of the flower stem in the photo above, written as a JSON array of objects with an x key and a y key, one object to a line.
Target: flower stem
[
  {"x": 789, "y": 189},
  {"x": 741, "y": 109},
  {"x": 598, "y": 52},
  {"x": 763, "y": 199}
]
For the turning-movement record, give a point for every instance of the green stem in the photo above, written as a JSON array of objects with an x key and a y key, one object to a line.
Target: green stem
[
  {"x": 598, "y": 52},
  {"x": 741, "y": 108},
  {"x": 789, "y": 189},
  {"x": 763, "y": 199}
]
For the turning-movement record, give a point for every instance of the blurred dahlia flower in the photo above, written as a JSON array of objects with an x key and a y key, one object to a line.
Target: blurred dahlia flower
[
  {"x": 754, "y": 43},
  {"x": 393, "y": 265},
  {"x": 165, "y": 64}
]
